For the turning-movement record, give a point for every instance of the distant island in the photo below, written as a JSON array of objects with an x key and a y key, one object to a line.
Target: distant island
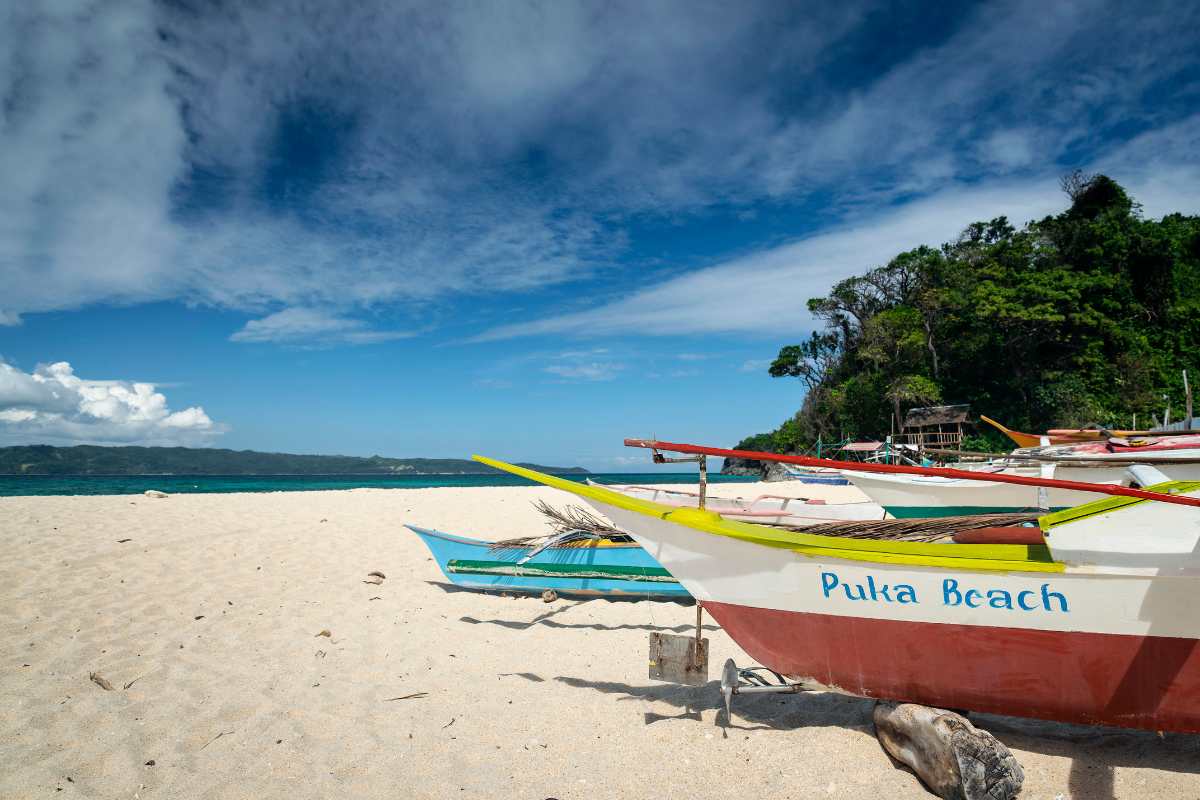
[{"x": 85, "y": 459}]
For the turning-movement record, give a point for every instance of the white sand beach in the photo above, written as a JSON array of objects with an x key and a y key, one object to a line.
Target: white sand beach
[{"x": 203, "y": 613}]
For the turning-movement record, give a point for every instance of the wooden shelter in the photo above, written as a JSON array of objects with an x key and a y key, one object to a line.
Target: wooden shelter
[{"x": 936, "y": 427}]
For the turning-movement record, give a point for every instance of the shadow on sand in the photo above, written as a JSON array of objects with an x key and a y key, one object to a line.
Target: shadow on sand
[
  {"x": 1095, "y": 752},
  {"x": 545, "y": 620},
  {"x": 519, "y": 594},
  {"x": 762, "y": 712}
]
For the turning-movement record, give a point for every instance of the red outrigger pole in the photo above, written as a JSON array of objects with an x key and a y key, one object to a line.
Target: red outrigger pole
[{"x": 939, "y": 472}]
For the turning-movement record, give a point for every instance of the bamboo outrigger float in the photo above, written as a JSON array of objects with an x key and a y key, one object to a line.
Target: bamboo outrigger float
[{"x": 1095, "y": 625}]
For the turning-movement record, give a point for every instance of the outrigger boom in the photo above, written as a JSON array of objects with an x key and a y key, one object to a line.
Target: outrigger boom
[{"x": 906, "y": 469}]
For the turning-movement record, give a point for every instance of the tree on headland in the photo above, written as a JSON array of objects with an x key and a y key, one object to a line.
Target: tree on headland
[{"x": 1082, "y": 317}]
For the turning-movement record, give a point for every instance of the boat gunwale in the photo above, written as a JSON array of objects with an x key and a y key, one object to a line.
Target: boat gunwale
[
  {"x": 499, "y": 546},
  {"x": 984, "y": 557}
]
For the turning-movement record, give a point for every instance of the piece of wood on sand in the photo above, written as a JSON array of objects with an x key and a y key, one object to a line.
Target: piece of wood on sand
[{"x": 954, "y": 759}]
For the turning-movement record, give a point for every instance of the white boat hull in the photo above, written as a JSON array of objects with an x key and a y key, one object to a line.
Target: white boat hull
[
  {"x": 911, "y": 496},
  {"x": 767, "y": 509}
]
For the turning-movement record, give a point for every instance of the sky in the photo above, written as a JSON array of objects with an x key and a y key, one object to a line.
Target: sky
[{"x": 527, "y": 229}]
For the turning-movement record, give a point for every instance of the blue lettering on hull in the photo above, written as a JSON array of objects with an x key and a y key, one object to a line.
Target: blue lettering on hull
[{"x": 954, "y": 594}]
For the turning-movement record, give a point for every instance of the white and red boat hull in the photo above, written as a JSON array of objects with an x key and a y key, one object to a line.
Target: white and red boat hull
[
  {"x": 1076, "y": 646},
  {"x": 1150, "y": 682}
]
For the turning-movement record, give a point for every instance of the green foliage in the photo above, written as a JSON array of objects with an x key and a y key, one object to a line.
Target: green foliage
[
  {"x": 1084, "y": 317},
  {"x": 96, "y": 460}
]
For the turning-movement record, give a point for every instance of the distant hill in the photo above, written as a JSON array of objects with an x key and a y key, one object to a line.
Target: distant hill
[{"x": 41, "y": 459}]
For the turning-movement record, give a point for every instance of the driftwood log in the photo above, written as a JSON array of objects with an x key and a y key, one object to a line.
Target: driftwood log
[{"x": 954, "y": 759}]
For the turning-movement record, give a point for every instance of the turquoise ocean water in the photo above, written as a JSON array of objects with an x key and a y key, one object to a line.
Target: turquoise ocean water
[{"x": 11, "y": 486}]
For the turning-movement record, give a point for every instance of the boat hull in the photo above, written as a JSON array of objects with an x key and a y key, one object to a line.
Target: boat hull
[
  {"x": 612, "y": 570},
  {"x": 768, "y": 509},
  {"x": 827, "y": 477},
  {"x": 1075, "y": 647},
  {"x": 1147, "y": 682},
  {"x": 906, "y": 497}
]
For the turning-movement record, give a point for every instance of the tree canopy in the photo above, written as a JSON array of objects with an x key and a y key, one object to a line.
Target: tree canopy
[{"x": 1084, "y": 317}]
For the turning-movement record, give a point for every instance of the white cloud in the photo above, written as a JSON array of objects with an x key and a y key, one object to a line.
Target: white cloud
[
  {"x": 52, "y": 404},
  {"x": 586, "y": 371},
  {"x": 1160, "y": 168},
  {"x": 462, "y": 150},
  {"x": 1009, "y": 149},
  {"x": 312, "y": 326},
  {"x": 765, "y": 292}
]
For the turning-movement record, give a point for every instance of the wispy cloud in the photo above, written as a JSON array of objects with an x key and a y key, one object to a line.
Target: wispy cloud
[
  {"x": 765, "y": 292},
  {"x": 588, "y": 371},
  {"x": 584, "y": 365},
  {"x": 262, "y": 157},
  {"x": 53, "y": 404},
  {"x": 312, "y": 327}
]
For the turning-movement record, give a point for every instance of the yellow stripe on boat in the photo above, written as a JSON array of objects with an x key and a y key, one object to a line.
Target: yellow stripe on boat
[
  {"x": 1003, "y": 557},
  {"x": 1107, "y": 504}
]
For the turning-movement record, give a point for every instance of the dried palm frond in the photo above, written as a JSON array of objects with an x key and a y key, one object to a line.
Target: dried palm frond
[
  {"x": 574, "y": 523},
  {"x": 571, "y": 524},
  {"x": 917, "y": 530},
  {"x": 576, "y": 518}
]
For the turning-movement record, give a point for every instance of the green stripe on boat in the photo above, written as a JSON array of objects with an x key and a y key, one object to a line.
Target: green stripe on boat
[{"x": 643, "y": 574}]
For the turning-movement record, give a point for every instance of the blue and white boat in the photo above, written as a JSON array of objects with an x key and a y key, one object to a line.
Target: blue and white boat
[
  {"x": 569, "y": 566},
  {"x": 828, "y": 477}
]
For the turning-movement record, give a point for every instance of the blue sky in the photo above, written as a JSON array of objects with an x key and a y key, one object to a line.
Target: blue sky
[{"x": 528, "y": 229}]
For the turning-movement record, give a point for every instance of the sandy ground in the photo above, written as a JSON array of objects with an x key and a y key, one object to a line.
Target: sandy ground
[{"x": 205, "y": 622}]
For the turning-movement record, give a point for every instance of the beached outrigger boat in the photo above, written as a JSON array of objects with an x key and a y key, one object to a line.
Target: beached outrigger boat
[
  {"x": 1073, "y": 435},
  {"x": 1179, "y": 450},
  {"x": 827, "y": 477},
  {"x": 1097, "y": 625},
  {"x": 922, "y": 496},
  {"x": 770, "y": 509},
  {"x": 907, "y": 496},
  {"x": 570, "y": 566}
]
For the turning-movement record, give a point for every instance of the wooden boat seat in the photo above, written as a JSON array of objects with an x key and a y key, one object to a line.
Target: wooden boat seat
[{"x": 1020, "y": 534}]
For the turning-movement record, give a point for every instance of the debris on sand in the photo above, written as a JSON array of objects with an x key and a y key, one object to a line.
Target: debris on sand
[
  {"x": 100, "y": 681},
  {"x": 156, "y": 493},
  {"x": 326, "y": 633}
]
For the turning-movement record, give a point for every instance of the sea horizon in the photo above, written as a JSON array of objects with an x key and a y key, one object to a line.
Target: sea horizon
[{"x": 85, "y": 485}]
